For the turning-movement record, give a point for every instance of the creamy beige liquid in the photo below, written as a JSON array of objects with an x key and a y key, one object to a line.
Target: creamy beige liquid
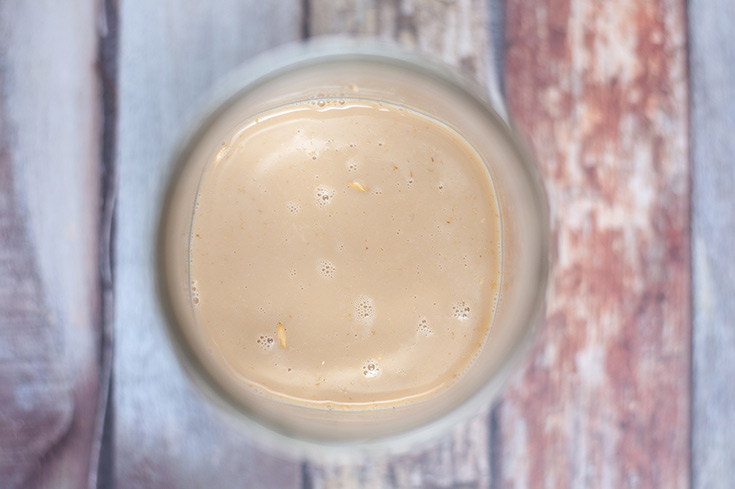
[{"x": 345, "y": 254}]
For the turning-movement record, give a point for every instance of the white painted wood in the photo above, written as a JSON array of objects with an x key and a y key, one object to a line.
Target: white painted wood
[
  {"x": 712, "y": 75},
  {"x": 49, "y": 215},
  {"x": 171, "y": 53}
]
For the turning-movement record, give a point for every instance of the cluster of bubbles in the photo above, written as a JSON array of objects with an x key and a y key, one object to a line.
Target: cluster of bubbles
[
  {"x": 324, "y": 102},
  {"x": 461, "y": 310},
  {"x": 293, "y": 207},
  {"x": 324, "y": 195},
  {"x": 194, "y": 292},
  {"x": 364, "y": 309},
  {"x": 326, "y": 269},
  {"x": 424, "y": 327},
  {"x": 351, "y": 166},
  {"x": 371, "y": 369},
  {"x": 266, "y": 342}
]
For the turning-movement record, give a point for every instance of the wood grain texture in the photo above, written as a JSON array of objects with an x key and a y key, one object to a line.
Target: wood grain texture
[
  {"x": 455, "y": 31},
  {"x": 171, "y": 53},
  {"x": 458, "y": 33},
  {"x": 712, "y": 66},
  {"x": 49, "y": 214},
  {"x": 601, "y": 90},
  {"x": 458, "y": 460}
]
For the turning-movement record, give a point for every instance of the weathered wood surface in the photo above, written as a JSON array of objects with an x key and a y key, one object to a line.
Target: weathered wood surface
[
  {"x": 164, "y": 434},
  {"x": 458, "y": 33},
  {"x": 462, "y": 33},
  {"x": 49, "y": 223},
  {"x": 600, "y": 88},
  {"x": 712, "y": 75}
]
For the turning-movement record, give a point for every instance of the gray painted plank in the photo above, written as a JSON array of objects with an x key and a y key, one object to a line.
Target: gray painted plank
[
  {"x": 712, "y": 74},
  {"x": 171, "y": 52},
  {"x": 49, "y": 215},
  {"x": 458, "y": 32}
]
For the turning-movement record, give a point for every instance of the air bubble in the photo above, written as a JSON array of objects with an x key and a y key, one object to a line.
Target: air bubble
[
  {"x": 195, "y": 292},
  {"x": 377, "y": 191},
  {"x": 293, "y": 207},
  {"x": 461, "y": 310},
  {"x": 323, "y": 195},
  {"x": 265, "y": 342},
  {"x": 442, "y": 187},
  {"x": 410, "y": 181},
  {"x": 424, "y": 328},
  {"x": 320, "y": 103},
  {"x": 371, "y": 369},
  {"x": 326, "y": 269},
  {"x": 364, "y": 309}
]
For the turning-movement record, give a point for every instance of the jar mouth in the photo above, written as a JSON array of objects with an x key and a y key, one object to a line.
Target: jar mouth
[{"x": 276, "y": 70}]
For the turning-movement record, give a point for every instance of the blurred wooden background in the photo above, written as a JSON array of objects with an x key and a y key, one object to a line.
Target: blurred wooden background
[{"x": 629, "y": 107}]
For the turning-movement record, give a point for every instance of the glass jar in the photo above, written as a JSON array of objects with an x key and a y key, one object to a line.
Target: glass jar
[{"x": 383, "y": 73}]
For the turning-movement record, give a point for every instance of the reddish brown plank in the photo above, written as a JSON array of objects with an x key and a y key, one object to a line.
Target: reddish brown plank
[{"x": 600, "y": 88}]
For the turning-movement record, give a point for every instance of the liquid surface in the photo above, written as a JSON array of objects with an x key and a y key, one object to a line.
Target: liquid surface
[{"x": 345, "y": 254}]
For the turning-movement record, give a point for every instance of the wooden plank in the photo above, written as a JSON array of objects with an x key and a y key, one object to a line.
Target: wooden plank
[
  {"x": 456, "y": 32},
  {"x": 601, "y": 90},
  {"x": 165, "y": 434},
  {"x": 712, "y": 68},
  {"x": 49, "y": 219}
]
